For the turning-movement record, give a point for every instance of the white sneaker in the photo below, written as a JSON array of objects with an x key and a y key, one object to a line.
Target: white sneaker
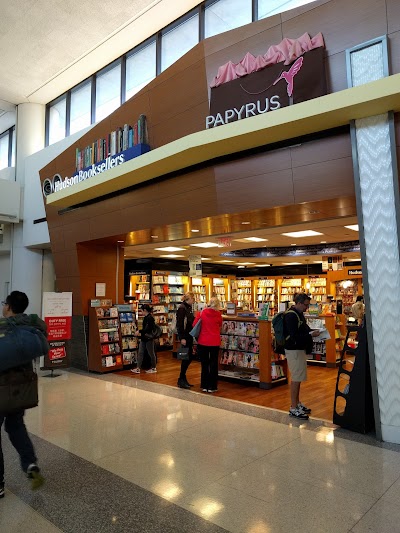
[
  {"x": 135, "y": 370},
  {"x": 151, "y": 371}
]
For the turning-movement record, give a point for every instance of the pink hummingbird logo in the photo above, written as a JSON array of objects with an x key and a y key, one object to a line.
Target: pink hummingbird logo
[{"x": 290, "y": 74}]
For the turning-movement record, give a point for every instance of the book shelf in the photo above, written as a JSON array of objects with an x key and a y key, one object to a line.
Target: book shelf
[
  {"x": 104, "y": 339},
  {"x": 246, "y": 353},
  {"x": 220, "y": 289},
  {"x": 266, "y": 292},
  {"x": 140, "y": 286},
  {"x": 326, "y": 353},
  {"x": 244, "y": 294},
  {"x": 347, "y": 291},
  {"x": 201, "y": 290},
  {"x": 317, "y": 288},
  {"x": 129, "y": 339},
  {"x": 290, "y": 287}
]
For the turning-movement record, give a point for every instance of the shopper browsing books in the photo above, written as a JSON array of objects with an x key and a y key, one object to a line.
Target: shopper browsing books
[
  {"x": 358, "y": 309},
  {"x": 184, "y": 324},
  {"x": 146, "y": 341},
  {"x": 298, "y": 343},
  {"x": 209, "y": 342}
]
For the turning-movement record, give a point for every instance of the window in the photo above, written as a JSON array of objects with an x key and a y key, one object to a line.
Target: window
[
  {"x": 4, "y": 140},
  {"x": 179, "y": 40},
  {"x": 57, "y": 116},
  {"x": 80, "y": 107},
  {"x": 225, "y": 15},
  {"x": 267, "y": 8},
  {"x": 108, "y": 91},
  {"x": 140, "y": 69}
]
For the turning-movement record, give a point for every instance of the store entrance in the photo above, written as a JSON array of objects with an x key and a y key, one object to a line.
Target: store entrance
[{"x": 251, "y": 266}]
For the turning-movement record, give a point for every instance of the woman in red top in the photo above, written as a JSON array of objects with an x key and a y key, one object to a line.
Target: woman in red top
[{"x": 208, "y": 344}]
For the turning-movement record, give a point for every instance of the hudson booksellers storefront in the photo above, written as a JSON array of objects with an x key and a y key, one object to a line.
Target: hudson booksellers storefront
[{"x": 203, "y": 143}]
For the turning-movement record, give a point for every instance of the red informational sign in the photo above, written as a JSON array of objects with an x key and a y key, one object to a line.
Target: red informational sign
[
  {"x": 224, "y": 241},
  {"x": 57, "y": 352},
  {"x": 58, "y": 328}
]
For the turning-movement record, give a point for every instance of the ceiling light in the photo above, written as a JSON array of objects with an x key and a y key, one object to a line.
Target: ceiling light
[
  {"x": 195, "y": 230},
  {"x": 172, "y": 256},
  {"x": 120, "y": 241},
  {"x": 323, "y": 242},
  {"x": 205, "y": 245},
  {"x": 170, "y": 249},
  {"x": 225, "y": 261},
  {"x": 154, "y": 236},
  {"x": 244, "y": 264},
  {"x": 241, "y": 266},
  {"x": 293, "y": 244},
  {"x": 244, "y": 223},
  {"x": 254, "y": 239},
  {"x": 304, "y": 233},
  {"x": 292, "y": 263},
  {"x": 317, "y": 262},
  {"x": 354, "y": 227},
  {"x": 264, "y": 265},
  {"x": 206, "y": 258},
  {"x": 353, "y": 259}
]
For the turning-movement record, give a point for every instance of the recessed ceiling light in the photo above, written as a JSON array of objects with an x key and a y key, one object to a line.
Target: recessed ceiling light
[
  {"x": 354, "y": 227},
  {"x": 323, "y": 242},
  {"x": 205, "y": 245},
  {"x": 206, "y": 258},
  {"x": 241, "y": 266},
  {"x": 254, "y": 239},
  {"x": 293, "y": 244},
  {"x": 245, "y": 264},
  {"x": 154, "y": 236},
  {"x": 172, "y": 256},
  {"x": 170, "y": 249},
  {"x": 195, "y": 230},
  {"x": 225, "y": 261},
  {"x": 292, "y": 263},
  {"x": 304, "y": 233},
  {"x": 353, "y": 259},
  {"x": 245, "y": 223},
  {"x": 120, "y": 241},
  {"x": 264, "y": 265},
  {"x": 319, "y": 262}
]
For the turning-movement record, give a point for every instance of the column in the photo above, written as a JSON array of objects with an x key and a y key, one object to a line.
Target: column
[
  {"x": 376, "y": 183},
  {"x": 27, "y": 264}
]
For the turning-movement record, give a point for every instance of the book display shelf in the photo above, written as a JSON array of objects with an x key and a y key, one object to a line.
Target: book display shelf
[
  {"x": 266, "y": 292},
  {"x": 140, "y": 286},
  {"x": 104, "y": 338},
  {"x": 129, "y": 338},
  {"x": 326, "y": 353},
  {"x": 246, "y": 353},
  {"x": 290, "y": 287},
  {"x": 244, "y": 294},
  {"x": 168, "y": 289},
  {"x": 347, "y": 291},
  {"x": 220, "y": 289},
  {"x": 201, "y": 289}
]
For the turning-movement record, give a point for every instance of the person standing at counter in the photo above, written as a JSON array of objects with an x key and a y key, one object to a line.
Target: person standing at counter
[
  {"x": 358, "y": 309},
  {"x": 209, "y": 342}
]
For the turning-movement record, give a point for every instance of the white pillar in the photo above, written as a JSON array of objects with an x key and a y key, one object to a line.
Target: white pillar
[
  {"x": 377, "y": 190},
  {"x": 27, "y": 264}
]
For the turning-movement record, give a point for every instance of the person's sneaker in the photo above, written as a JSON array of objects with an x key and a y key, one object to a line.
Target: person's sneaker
[
  {"x": 135, "y": 370},
  {"x": 2, "y": 492},
  {"x": 298, "y": 413},
  {"x": 33, "y": 473},
  {"x": 151, "y": 371},
  {"x": 212, "y": 390},
  {"x": 204, "y": 390},
  {"x": 305, "y": 409}
]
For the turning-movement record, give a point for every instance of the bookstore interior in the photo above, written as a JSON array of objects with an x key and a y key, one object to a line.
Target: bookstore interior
[{"x": 255, "y": 274}]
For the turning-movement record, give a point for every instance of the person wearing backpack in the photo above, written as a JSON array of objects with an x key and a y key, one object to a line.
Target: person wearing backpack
[
  {"x": 298, "y": 343},
  {"x": 184, "y": 324},
  {"x": 14, "y": 316},
  {"x": 147, "y": 341}
]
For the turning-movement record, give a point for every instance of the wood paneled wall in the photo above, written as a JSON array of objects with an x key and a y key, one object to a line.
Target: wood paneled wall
[{"x": 176, "y": 104}]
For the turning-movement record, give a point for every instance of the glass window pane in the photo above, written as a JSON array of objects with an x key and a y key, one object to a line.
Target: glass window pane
[
  {"x": 80, "y": 107},
  {"x": 57, "y": 116},
  {"x": 176, "y": 42},
  {"x": 226, "y": 15},
  {"x": 267, "y": 8},
  {"x": 13, "y": 147},
  {"x": 140, "y": 69},
  {"x": 108, "y": 92},
  {"x": 4, "y": 151}
]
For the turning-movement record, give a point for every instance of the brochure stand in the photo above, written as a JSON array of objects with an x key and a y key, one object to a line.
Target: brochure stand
[{"x": 353, "y": 408}]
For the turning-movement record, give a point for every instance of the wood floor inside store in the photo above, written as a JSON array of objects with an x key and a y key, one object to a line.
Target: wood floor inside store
[{"x": 317, "y": 393}]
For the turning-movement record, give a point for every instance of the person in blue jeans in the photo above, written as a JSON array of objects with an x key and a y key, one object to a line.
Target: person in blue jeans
[{"x": 13, "y": 312}]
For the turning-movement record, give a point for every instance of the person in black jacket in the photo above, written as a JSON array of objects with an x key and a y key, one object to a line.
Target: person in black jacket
[
  {"x": 146, "y": 341},
  {"x": 13, "y": 313},
  {"x": 298, "y": 343},
  {"x": 184, "y": 324}
]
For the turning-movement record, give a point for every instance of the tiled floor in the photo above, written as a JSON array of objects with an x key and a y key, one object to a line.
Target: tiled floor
[{"x": 128, "y": 455}]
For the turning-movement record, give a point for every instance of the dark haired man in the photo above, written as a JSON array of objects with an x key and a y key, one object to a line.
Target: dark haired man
[
  {"x": 298, "y": 344},
  {"x": 14, "y": 307}
]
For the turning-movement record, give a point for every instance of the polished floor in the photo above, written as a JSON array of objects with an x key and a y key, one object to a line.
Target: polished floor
[{"x": 133, "y": 455}]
